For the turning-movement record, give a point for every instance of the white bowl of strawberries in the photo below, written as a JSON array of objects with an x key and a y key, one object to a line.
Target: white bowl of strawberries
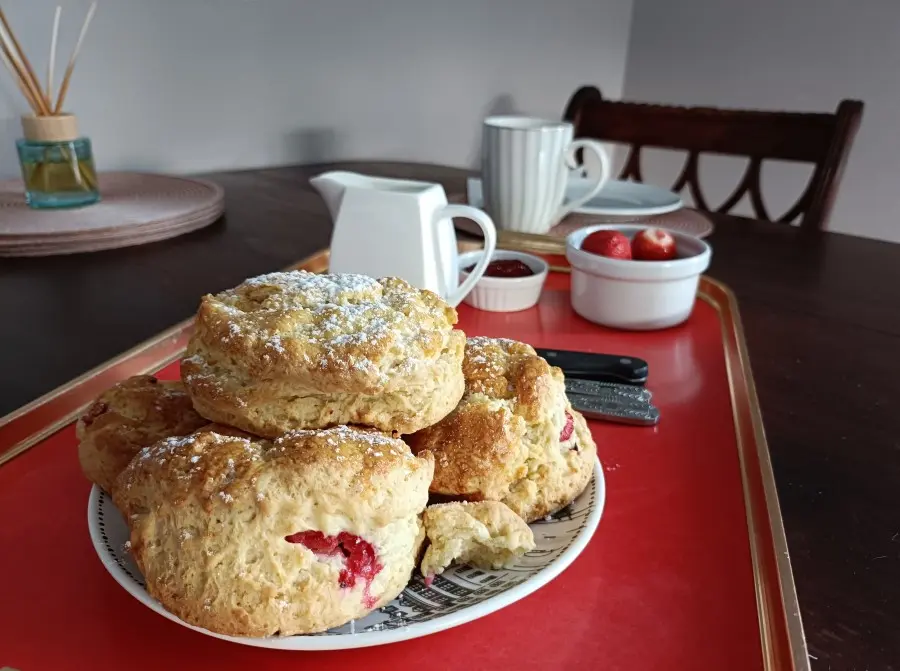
[{"x": 635, "y": 277}]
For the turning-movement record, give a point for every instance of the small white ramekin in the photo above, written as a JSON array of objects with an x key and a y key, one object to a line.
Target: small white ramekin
[
  {"x": 636, "y": 295},
  {"x": 505, "y": 294}
]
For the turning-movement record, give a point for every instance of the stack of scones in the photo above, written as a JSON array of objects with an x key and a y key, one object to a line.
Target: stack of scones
[{"x": 283, "y": 486}]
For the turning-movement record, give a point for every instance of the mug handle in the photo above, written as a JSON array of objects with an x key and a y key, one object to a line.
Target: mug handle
[
  {"x": 597, "y": 149},
  {"x": 490, "y": 244}
]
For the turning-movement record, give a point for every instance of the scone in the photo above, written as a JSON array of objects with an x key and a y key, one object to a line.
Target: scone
[
  {"x": 297, "y": 350},
  {"x": 486, "y": 535},
  {"x": 250, "y": 537},
  {"x": 514, "y": 437},
  {"x": 130, "y": 415}
]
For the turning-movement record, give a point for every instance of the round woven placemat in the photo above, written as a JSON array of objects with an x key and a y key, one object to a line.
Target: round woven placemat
[{"x": 135, "y": 208}]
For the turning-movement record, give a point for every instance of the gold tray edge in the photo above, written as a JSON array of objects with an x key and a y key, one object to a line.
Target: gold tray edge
[
  {"x": 69, "y": 417},
  {"x": 792, "y": 621},
  {"x": 317, "y": 262},
  {"x": 545, "y": 244},
  {"x": 170, "y": 332}
]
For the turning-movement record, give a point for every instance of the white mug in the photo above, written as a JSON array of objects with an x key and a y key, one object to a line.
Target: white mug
[{"x": 525, "y": 164}]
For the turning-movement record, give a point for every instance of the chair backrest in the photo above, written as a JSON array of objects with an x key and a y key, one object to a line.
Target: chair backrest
[{"x": 821, "y": 139}]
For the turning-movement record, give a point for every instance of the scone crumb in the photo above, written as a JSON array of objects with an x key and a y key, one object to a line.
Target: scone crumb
[{"x": 487, "y": 535}]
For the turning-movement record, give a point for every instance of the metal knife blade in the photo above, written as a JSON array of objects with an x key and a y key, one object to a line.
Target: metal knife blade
[
  {"x": 599, "y": 367},
  {"x": 611, "y": 389},
  {"x": 595, "y": 407}
]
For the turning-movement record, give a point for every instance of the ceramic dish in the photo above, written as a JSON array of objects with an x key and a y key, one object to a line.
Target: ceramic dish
[
  {"x": 459, "y": 595},
  {"x": 635, "y": 295},
  {"x": 617, "y": 198},
  {"x": 505, "y": 294}
]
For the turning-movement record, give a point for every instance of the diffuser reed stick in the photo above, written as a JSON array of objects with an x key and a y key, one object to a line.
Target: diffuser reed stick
[
  {"x": 22, "y": 87},
  {"x": 64, "y": 88},
  {"x": 51, "y": 62},
  {"x": 31, "y": 78}
]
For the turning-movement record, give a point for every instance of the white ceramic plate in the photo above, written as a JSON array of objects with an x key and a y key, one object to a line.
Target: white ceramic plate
[
  {"x": 616, "y": 198},
  {"x": 459, "y": 595}
]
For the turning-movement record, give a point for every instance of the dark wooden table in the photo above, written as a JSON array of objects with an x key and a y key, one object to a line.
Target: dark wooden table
[{"x": 822, "y": 318}]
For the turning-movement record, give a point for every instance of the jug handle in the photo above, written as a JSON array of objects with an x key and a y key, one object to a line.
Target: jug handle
[{"x": 490, "y": 244}]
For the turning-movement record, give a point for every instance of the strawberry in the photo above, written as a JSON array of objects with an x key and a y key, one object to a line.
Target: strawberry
[
  {"x": 568, "y": 429},
  {"x": 653, "y": 244},
  {"x": 360, "y": 559},
  {"x": 607, "y": 243}
]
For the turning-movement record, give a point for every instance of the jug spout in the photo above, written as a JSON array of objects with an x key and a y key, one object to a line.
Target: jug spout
[{"x": 332, "y": 186}]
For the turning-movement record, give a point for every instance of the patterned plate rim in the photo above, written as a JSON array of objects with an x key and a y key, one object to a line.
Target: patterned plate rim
[{"x": 364, "y": 639}]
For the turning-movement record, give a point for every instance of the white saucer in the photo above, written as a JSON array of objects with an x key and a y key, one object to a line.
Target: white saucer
[{"x": 616, "y": 198}]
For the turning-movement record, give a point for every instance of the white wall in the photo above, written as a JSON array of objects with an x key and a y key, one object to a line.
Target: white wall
[
  {"x": 776, "y": 54},
  {"x": 193, "y": 85}
]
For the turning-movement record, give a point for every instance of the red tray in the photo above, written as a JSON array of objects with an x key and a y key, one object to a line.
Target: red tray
[{"x": 688, "y": 569}]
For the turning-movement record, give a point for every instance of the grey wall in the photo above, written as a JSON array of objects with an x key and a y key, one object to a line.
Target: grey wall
[
  {"x": 192, "y": 85},
  {"x": 799, "y": 55}
]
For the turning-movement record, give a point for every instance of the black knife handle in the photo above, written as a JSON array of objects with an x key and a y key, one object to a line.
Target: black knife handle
[{"x": 600, "y": 367}]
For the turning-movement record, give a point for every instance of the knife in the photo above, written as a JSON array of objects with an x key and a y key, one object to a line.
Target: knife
[
  {"x": 612, "y": 390},
  {"x": 621, "y": 411},
  {"x": 599, "y": 367}
]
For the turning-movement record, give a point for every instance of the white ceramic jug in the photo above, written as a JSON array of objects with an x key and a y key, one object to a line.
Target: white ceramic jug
[{"x": 400, "y": 228}]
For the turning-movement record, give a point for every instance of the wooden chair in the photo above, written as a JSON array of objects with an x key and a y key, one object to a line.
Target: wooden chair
[{"x": 821, "y": 139}]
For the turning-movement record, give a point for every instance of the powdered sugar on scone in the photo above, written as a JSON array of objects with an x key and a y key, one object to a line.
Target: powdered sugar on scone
[{"x": 294, "y": 350}]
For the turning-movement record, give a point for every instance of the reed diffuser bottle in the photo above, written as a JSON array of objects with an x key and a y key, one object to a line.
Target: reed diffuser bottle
[{"x": 57, "y": 164}]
